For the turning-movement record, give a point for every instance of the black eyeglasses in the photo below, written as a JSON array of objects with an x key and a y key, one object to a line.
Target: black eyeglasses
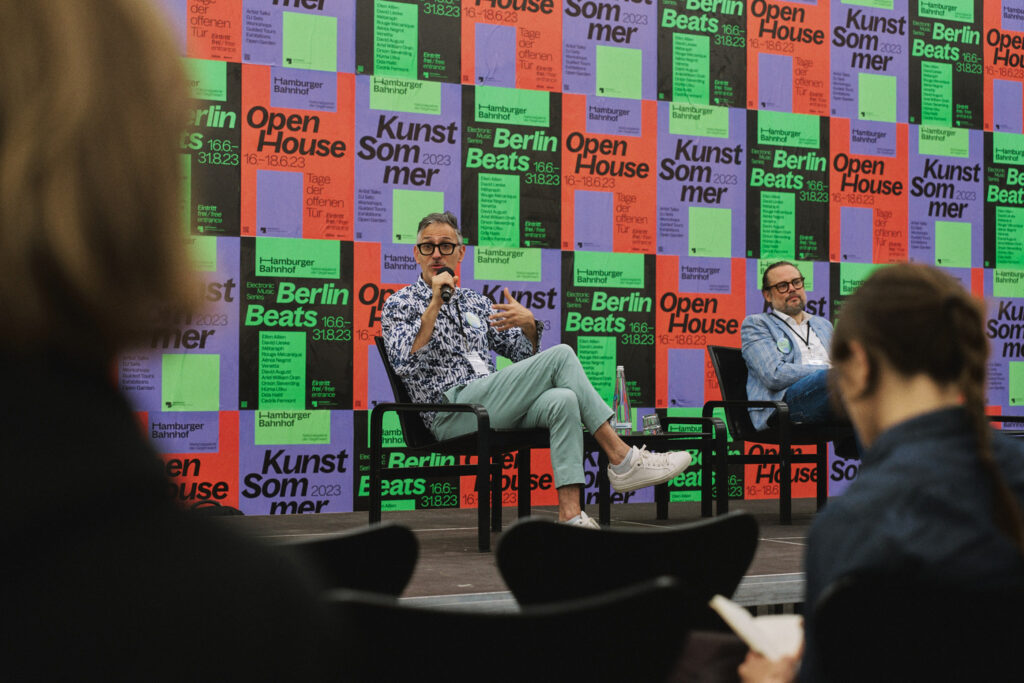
[
  {"x": 427, "y": 248},
  {"x": 782, "y": 287}
]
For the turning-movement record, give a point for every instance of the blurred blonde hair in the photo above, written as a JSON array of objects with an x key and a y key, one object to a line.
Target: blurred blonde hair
[{"x": 92, "y": 105}]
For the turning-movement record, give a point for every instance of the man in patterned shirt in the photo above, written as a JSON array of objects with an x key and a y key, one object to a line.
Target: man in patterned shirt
[{"x": 442, "y": 352}]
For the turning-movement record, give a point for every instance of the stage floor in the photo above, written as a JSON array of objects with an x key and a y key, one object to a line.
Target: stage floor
[{"x": 452, "y": 573}]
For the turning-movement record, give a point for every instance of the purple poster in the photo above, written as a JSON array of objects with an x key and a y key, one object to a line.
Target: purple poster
[
  {"x": 946, "y": 197},
  {"x": 191, "y": 361},
  {"x": 702, "y": 210},
  {"x": 407, "y": 160},
  {"x": 609, "y": 49},
  {"x": 293, "y": 462}
]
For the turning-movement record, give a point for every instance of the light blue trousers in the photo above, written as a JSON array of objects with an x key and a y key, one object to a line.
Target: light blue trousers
[{"x": 548, "y": 390}]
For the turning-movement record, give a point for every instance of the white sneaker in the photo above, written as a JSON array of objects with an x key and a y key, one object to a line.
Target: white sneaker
[
  {"x": 584, "y": 521},
  {"x": 647, "y": 469}
]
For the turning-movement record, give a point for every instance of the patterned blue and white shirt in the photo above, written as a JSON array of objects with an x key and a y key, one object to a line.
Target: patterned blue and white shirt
[{"x": 442, "y": 363}]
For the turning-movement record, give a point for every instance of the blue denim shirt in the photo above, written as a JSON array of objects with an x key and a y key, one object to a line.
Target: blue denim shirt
[
  {"x": 462, "y": 326},
  {"x": 921, "y": 507}
]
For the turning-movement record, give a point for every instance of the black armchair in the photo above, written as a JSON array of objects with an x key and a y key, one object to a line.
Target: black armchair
[
  {"x": 486, "y": 443},
  {"x": 731, "y": 371}
]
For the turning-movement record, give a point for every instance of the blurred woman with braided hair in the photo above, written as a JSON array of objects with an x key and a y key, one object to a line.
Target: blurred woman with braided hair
[{"x": 939, "y": 493}]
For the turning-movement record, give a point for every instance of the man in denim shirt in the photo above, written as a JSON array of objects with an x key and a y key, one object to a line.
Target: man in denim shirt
[{"x": 442, "y": 350}]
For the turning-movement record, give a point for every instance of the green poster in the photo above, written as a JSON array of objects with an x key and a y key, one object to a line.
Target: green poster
[
  {"x": 204, "y": 253},
  {"x": 1008, "y": 284},
  {"x": 512, "y": 106},
  {"x": 953, "y": 244},
  {"x": 1016, "y": 388},
  {"x": 597, "y": 356},
  {"x": 310, "y": 41},
  {"x": 207, "y": 79},
  {"x": 710, "y": 232},
  {"x": 619, "y": 72},
  {"x": 944, "y": 142},
  {"x": 498, "y": 207},
  {"x": 282, "y": 370},
  {"x": 191, "y": 382},
  {"x": 698, "y": 119},
  {"x": 185, "y": 168},
  {"x": 947, "y": 10},
  {"x": 1007, "y": 148},
  {"x": 389, "y": 93},
  {"x": 292, "y": 427},
  {"x": 936, "y": 94},
  {"x": 505, "y": 263},
  {"x": 852, "y": 275},
  {"x": 600, "y": 269},
  {"x": 875, "y": 4},
  {"x": 1009, "y": 237},
  {"x": 876, "y": 97},
  {"x": 778, "y": 225},
  {"x": 787, "y": 129},
  {"x": 408, "y": 207},
  {"x": 395, "y": 38},
  {"x": 297, "y": 258},
  {"x": 691, "y": 62}
]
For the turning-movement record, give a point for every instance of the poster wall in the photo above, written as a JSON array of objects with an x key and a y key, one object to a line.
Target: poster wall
[{"x": 626, "y": 169}]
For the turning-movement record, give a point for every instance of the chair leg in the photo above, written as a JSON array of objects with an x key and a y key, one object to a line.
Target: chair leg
[
  {"x": 707, "y": 461},
  {"x": 496, "y": 507},
  {"x": 524, "y": 497},
  {"x": 785, "y": 486},
  {"x": 483, "y": 498},
  {"x": 661, "y": 501},
  {"x": 604, "y": 491},
  {"x": 721, "y": 459},
  {"x": 822, "y": 484}
]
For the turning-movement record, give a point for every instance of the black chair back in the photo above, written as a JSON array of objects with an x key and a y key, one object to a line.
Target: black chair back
[
  {"x": 379, "y": 558},
  {"x": 879, "y": 628},
  {"x": 379, "y": 639},
  {"x": 542, "y": 561},
  {"x": 731, "y": 372},
  {"x": 415, "y": 432}
]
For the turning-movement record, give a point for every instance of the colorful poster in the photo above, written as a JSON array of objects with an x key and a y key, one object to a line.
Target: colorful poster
[
  {"x": 300, "y": 34},
  {"x": 199, "y": 453},
  {"x": 608, "y": 189},
  {"x": 1004, "y": 297},
  {"x": 870, "y": 60},
  {"x": 608, "y": 49},
  {"x": 788, "y": 190},
  {"x": 295, "y": 461},
  {"x": 191, "y": 361},
  {"x": 409, "y": 40},
  {"x": 608, "y": 301},
  {"x": 702, "y": 52},
  {"x": 214, "y": 28},
  {"x": 868, "y": 211},
  {"x": 1003, "y": 104},
  {"x": 513, "y": 43},
  {"x": 532, "y": 276},
  {"x": 297, "y": 150},
  {"x": 1004, "y": 200},
  {"x": 296, "y": 332},
  {"x": 702, "y": 195},
  {"x": 946, "y": 207},
  {"x": 946, "y": 70},
  {"x": 409, "y": 146},
  {"x": 512, "y": 161},
  {"x": 211, "y": 146},
  {"x": 688, "y": 318},
  {"x": 788, "y": 56}
]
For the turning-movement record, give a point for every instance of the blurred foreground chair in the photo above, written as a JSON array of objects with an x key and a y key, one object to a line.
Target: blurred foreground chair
[
  {"x": 872, "y": 627},
  {"x": 486, "y": 444},
  {"x": 379, "y": 559},
  {"x": 731, "y": 371},
  {"x": 542, "y": 561},
  {"x": 587, "y": 639}
]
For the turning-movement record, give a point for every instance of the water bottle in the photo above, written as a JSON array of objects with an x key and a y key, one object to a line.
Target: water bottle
[{"x": 623, "y": 419}]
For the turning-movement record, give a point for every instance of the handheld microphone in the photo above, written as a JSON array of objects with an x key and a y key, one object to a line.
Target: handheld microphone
[{"x": 446, "y": 290}]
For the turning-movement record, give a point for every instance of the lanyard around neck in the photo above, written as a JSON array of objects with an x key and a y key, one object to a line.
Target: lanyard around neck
[{"x": 807, "y": 340}]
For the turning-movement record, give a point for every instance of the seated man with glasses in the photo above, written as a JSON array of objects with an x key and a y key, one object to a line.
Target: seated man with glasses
[
  {"x": 787, "y": 351},
  {"x": 441, "y": 347}
]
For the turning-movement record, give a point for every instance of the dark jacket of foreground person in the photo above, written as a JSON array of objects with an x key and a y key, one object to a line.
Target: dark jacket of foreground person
[{"x": 103, "y": 577}]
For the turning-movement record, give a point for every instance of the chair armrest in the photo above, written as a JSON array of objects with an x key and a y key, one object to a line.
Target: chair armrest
[
  {"x": 778, "y": 405},
  {"x": 483, "y": 419}
]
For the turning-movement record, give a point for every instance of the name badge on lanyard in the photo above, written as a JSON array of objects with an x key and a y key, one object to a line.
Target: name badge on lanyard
[{"x": 478, "y": 364}]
